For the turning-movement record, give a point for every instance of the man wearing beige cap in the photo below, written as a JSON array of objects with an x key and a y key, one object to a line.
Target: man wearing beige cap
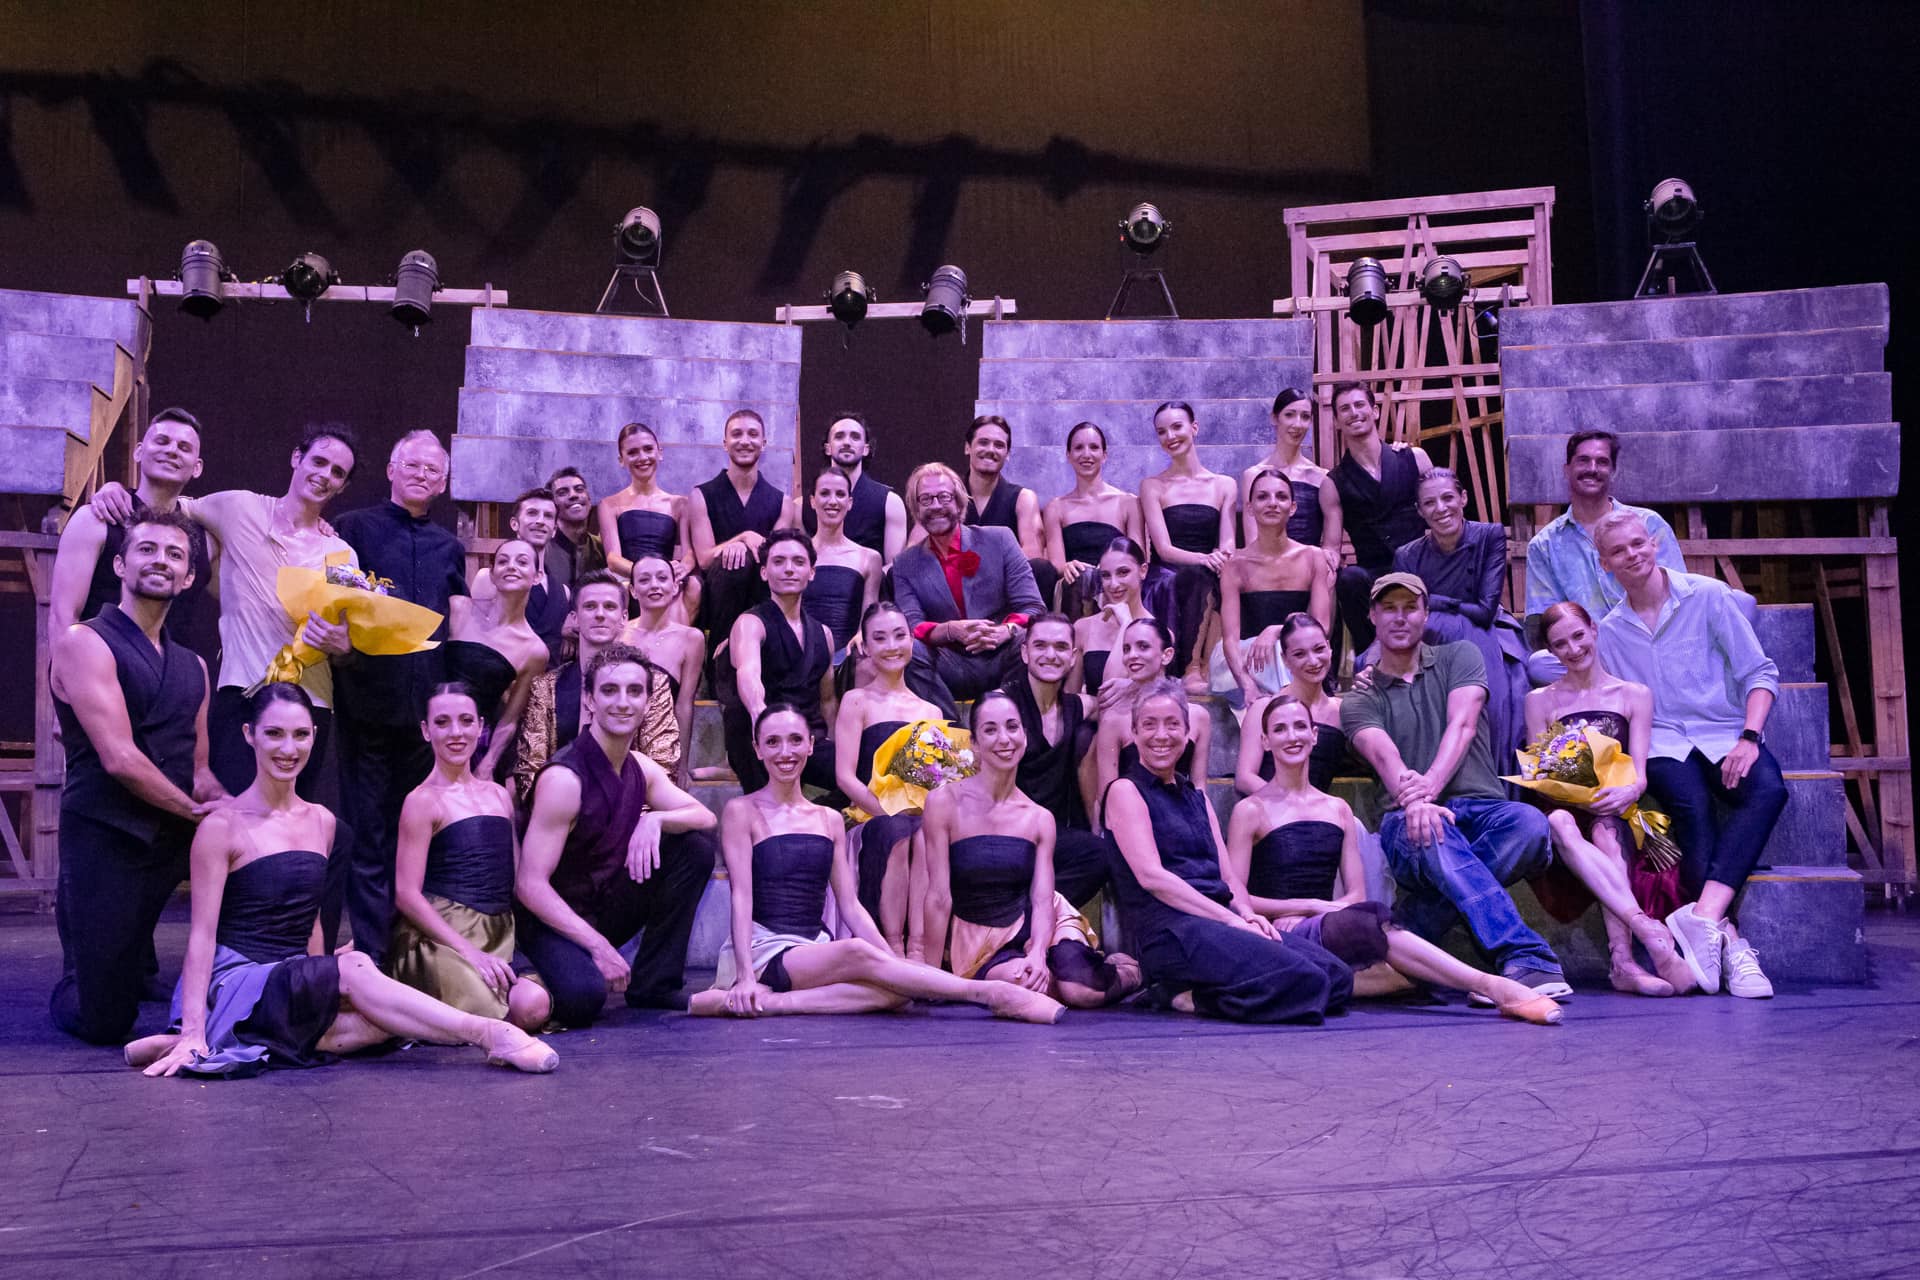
[{"x": 1452, "y": 838}]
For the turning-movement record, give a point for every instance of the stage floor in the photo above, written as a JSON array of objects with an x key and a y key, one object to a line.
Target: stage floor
[{"x": 1699, "y": 1137}]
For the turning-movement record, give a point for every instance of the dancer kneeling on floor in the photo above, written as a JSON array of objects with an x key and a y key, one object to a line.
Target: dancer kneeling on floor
[
  {"x": 1286, "y": 843},
  {"x": 256, "y": 990},
  {"x": 782, "y": 852},
  {"x": 453, "y": 878},
  {"x": 991, "y": 909},
  {"x": 1198, "y": 942}
]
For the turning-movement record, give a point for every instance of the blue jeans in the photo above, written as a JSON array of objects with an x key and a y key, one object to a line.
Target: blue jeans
[{"x": 1490, "y": 844}]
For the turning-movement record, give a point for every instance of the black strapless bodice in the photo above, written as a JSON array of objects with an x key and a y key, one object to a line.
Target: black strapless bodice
[
  {"x": 1308, "y": 523},
  {"x": 991, "y": 878},
  {"x": 790, "y": 877},
  {"x": 483, "y": 668},
  {"x": 870, "y": 739},
  {"x": 1087, "y": 540},
  {"x": 1324, "y": 762},
  {"x": 1298, "y": 860},
  {"x": 1611, "y": 723},
  {"x": 269, "y": 905},
  {"x": 648, "y": 533},
  {"x": 1093, "y": 666},
  {"x": 471, "y": 862},
  {"x": 1262, "y": 609},
  {"x": 833, "y": 598},
  {"x": 1192, "y": 526}
]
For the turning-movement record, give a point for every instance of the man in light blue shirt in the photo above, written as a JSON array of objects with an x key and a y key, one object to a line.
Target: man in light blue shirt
[
  {"x": 1685, "y": 637},
  {"x": 1562, "y": 561}
]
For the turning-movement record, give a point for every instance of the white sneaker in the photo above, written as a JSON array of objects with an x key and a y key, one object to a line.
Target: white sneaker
[
  {"x": 1700, "y": 943},
  {"x": 1742, "y": 967}
]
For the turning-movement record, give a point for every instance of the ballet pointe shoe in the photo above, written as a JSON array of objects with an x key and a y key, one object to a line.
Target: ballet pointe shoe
[
  {"x": 509, "y": 1046},
  {"x": 1022, "y": 1005},
  {"x": 1666, "y": 957},
  {"x": 711, "y": 1003},
  {"x": 147, "y": 1050},
  {"x": 1629, "y": 977},
  {"x": 1514, "y": 1000}
]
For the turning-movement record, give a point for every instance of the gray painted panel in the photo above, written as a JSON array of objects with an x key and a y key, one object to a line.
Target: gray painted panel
[
  {"x": 1151, "y": 380},
  {"x": 1669, "y": 406},
  {"x": 678, "y": 420},
  {"x": 500, "y": 468},
  {"x": 510, "y": 370},
  {"x": 1786, "y": 633},
  {"x": 45, "y": 402},
  {"x": 1146, "y": 339},
  {"x": 634, "y": 335},
  {"x": 1807, "y": 928},
  {"x": 1130, "y": 422},
  {"x": 1812, "y": 831},
  {"x": 1760, "y": 465},
  {"x": 1698, "y": 315},
  {"x": 1709, "y": 359},
  {"x": 36, "y": 458},
  {"x": 39, "y": 355},
  {"x": 1798, "y": 734},
  {"x": 75, "y": 315}
]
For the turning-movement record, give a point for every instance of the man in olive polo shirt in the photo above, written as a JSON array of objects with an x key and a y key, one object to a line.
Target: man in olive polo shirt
[{"x": 1452, "y": 838}]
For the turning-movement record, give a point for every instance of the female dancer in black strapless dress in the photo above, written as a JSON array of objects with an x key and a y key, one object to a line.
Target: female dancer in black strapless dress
[
  {"x": 1189, "y": 515},
  {"x": 1084, "y": 522},
  {"x": 1123, "y": 567},
  {"x": 496, "y": 657},
  {"x": 677, "y": 652},
  {"x": 645, "y": 520},
  {"x": 1309, "y": 657},
  {"x": 783, "y": 852},
  {"x": 846, "y": 575},
  {"x": 1594, "y": 844},
  {"x": 869, "y": 715},
  {"x": 257, "y": 989},
  {"x": 453, "y": 879},
  {"x": 991, "y": 908},
  {"x": 1285, "y": 845},
  {"x": 1317, "y": 519},
  {"x": 1272, "y": 578}
]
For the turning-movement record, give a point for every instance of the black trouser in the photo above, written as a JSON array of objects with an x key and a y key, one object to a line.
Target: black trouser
[
  {"x": 1240, "y": 975},
  {"x": 661, "y": 911},
  {"x": 1047, "y": 579},
  {"x": 232, "y": 760},
  {"x": 1724, "y": 852},
  {"x": 725, "y": 594},
  {"x": 1351, "y": 588},
  {"x": 1196, "y": 588},
  {"x": 947, "y": 675},
  {"x": 379, "y": 765},
  {"x": 111, "y": 890},
  {"x": 1080, "y": 864}
]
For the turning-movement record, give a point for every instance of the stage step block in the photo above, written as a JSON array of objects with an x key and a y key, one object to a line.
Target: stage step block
[
  {"x": 1786, "y": 634},
  {"x": 1698, "y": 315},
  {"x": 501, "y": 468},
  {"x": 1806, "y": 923},
  {"x": 598, "y": 419},
  {"x": 67, "y": 365},
  {"x": 1812, "y": 831},
  {"x": 1760, "y": 464},
  {"x": 66, "y": 315},
  {"x": 1816, "y": 400},
  {"x": 1797, "y": 730},
  {"x": 1719, "y": 358},
  {"x": 653, "y": 337}
]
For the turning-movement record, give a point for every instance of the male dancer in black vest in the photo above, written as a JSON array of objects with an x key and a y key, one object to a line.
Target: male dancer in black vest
[
  {"x": 612, "y": 849},
  {"x": 1059, "y": 729},
  {"x": 728, "y": 520},
  {"x": 133, "y": 713},
  {"x": 993, "y": 500},
  {"x": 877, "y": 518}
]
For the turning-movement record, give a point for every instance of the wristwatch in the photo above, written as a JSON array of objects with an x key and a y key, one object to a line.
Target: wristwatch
[{"x": 1752, "y": 735}]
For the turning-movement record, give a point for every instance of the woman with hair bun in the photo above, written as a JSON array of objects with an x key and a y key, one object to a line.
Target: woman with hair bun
[
  {"x": 1189, "y": 516},
  {"x": 1082, "y": 523},
  {"x": 1316, "y": 520},
  {"x": 645, "y": 520}
]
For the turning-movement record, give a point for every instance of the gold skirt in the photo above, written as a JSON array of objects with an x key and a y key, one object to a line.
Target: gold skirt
[
  {"x": 425, "y": 965},
  {"x": 970, "y": 945}
]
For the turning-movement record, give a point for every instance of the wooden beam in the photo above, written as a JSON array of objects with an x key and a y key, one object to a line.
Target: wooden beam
[
  {"x": 1465, "y": 233},
  {"x": 994, "y": 308},
  {"x": 1396, "y": 298},
  {"x": 1465, "y": 202},
  {"x": 486, "y": 297}
]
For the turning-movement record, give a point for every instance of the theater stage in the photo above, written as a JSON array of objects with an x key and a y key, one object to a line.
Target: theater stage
[{"x": 1698, "y": 1137}]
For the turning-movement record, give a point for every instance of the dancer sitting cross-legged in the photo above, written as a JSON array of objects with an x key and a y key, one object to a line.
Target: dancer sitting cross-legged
[
  {"x": 257, "y": 989},
  {"x": 453, "y": 878},
  {"x": 1201, "y": 944},
  {"x": 991, "y": 908},
  {"x": 1288, "y": 841},
  {"x": 783, "y": 852}
]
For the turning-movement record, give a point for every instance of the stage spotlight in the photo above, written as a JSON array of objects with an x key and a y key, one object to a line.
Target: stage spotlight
[
  {"x": 1367, "y": 292},
  {"x": 1144, "y": 228},
  {"x": 947, "y": 298},
  {"x": 413, "y": 285},
  {"x": 201, "y": 271},
  {"x": 308, "y": 276},
  {"x": 849, "y": 298},
  {"x": 638, "y": 236},
  {"x": 1443, "y": 283},
  {"x": 1672, "y": 210}
]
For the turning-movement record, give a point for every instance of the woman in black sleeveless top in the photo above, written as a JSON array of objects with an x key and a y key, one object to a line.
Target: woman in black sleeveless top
[
  {"x": 453, "y": 879},
  {"x": 783, "y": 853},
  {"x": 497, "y": 657},
  {"x": 1189, "y": 516},
  {"x": 1203, "y": 946},
  {"x": 1083, "y": 522},
  {"x": 992, "y": 910},
  {"x": 1286, "y": 844},
  {"x": 846, "y": 575},
  {"x": 778, "y": 652},
  {"x": 644, "y": 520},
  {"x": 257, "y": 989},
  {"x": 1308, "y": 653}
]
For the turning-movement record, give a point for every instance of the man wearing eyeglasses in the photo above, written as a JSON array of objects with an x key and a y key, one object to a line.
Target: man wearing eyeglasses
[
  {"x": 380, "y": 701},
  {"x": 967, "y": 593}
]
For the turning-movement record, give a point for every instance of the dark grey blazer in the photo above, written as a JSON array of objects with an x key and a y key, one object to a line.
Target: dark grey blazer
[{"x": 1003, "y": 585}]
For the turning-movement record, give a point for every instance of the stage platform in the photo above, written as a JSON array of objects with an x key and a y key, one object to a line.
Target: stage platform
[{"x": 1702, "y": 1136}]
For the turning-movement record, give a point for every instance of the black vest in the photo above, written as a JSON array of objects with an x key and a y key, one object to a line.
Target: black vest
[
  {"x": 1002, "y": 510},
  {"x": 728, "y": 517},
  {"x": 866, "y": 516},
  {"x": 104, "y": 589},
  {"x": 789, "y": 670},
  {"x": 164, "y": 689},
  {"x": 1050, "y": 772}
]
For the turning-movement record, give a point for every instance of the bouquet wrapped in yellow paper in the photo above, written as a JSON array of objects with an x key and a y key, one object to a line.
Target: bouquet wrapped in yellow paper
[
  {"x": 1572, "y": 763},
  {"x": 379, "y": 623},
  {"x": 915, "y": 759}
]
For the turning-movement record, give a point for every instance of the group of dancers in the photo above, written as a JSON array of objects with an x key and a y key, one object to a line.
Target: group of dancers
[{"x": 518, "y": 836}]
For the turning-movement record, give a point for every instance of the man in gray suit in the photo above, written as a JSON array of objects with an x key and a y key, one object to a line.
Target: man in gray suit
[{"x": 967, "y": 593}]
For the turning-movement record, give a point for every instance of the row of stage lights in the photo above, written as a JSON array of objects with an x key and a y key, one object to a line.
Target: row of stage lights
[{"x": 1672, "y": 214}]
